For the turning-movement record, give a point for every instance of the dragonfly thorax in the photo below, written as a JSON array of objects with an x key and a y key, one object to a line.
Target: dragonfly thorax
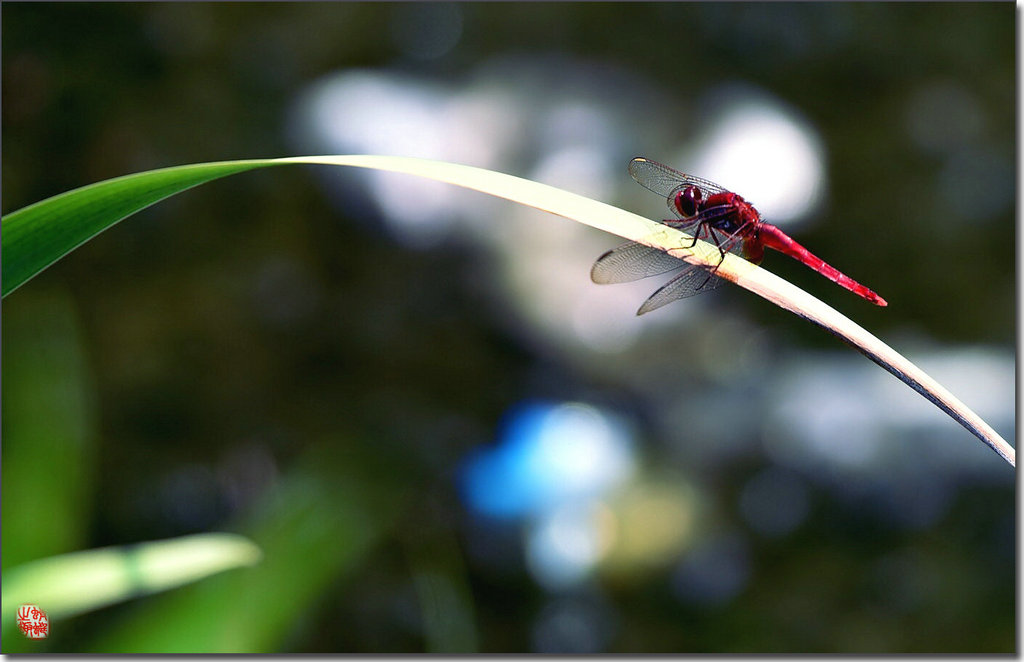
[{"x": 732, "y": 213}]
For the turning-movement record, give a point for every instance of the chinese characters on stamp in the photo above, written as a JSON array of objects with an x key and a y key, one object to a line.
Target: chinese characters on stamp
[{"x": 33, "y": 622}]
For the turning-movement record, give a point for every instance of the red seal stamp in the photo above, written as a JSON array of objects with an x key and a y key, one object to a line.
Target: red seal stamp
[{"x": 33, "y": 622}]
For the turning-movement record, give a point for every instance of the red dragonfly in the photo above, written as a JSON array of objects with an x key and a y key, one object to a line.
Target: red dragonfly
[{"x": 709, "y": 212}]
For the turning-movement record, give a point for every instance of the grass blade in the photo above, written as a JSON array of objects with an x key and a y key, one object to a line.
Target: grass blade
[
  {"x": 40, "y": 234},
  {"x": 82, "y": 581}
]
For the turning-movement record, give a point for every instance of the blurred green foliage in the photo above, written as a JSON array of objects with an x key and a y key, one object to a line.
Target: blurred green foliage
[{"x": 49, "y": 454}]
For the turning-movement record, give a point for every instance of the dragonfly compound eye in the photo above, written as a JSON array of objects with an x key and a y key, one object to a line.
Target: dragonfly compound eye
[{"x": 688, "y": 200}]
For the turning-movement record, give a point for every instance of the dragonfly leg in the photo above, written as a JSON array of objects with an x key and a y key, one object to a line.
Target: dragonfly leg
[
  {"x": 718, "y": 245},
  {"x": 712, "y": 270},
  {"x": 703, "y": 228}
]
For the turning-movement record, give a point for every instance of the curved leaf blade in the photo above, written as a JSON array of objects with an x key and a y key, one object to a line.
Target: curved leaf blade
[
  {"x": 36, "y": 236},
  {"x": 40, "y": 239},
  {"x": 73, "y": 583}
]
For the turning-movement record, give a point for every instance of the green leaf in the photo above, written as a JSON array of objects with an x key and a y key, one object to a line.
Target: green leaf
[
  {"x": 49, "y": 452},
  {"x": 315, "y": 528},
  {"x": 82, "y": 581},
  {"x": 40, "y": 234}
]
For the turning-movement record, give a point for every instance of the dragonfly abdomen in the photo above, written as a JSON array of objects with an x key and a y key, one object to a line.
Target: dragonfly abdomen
[{"x": 774, "y": 238}]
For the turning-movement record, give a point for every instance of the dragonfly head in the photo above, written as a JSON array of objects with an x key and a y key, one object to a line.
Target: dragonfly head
[{"x": 688, "y": 200}]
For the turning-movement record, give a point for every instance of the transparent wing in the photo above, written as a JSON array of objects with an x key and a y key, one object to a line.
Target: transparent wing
[
  {"x": 693, "y": 280},
  {"x": 631, "y": 262},
  {"x": 665, "y": 181}
]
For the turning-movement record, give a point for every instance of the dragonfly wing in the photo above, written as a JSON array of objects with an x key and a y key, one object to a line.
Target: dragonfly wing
[
  {"x": 631, "y": 262},
  {"x": 665, "y": 181},
  {"x": 694, "y": 280}
]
